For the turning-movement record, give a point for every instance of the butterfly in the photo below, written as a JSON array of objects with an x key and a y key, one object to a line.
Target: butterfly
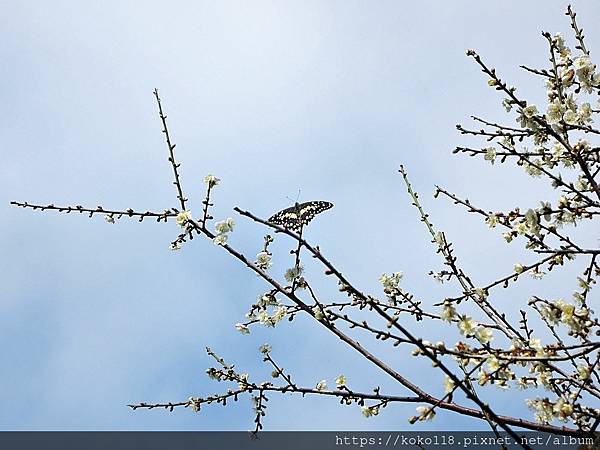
[{"x": 297, "y": 216}]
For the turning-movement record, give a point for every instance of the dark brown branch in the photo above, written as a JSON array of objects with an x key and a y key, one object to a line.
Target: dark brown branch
[
  {"x": 99, "y": 210},
  {"x": 171, "y": 147}
]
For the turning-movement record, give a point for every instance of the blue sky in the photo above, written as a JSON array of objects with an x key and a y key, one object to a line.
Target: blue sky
[{"x": 325, "y": 96}]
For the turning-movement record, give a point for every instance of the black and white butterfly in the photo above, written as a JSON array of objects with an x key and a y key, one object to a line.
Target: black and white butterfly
[{"x": 297, "y": 216}]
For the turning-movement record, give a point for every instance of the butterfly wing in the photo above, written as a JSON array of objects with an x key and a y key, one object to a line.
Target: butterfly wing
[
  {"x": 288, "y": 218},
  {"x": 307, "y": 211}
]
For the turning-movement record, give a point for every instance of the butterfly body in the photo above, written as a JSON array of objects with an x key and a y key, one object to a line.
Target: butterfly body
[{"x": 299, "y": 215}]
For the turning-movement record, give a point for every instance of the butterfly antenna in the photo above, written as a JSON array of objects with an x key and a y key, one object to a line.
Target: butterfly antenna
[{"x": 292, "y": 200}]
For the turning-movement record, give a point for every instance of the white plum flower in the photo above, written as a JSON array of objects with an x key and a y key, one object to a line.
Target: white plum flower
[
  {"x": 520, "y": 227},
  {"x": 183, "y": 217},
  {"x": 220, "y": 239},
  {"x": 242, "y": 328},
  {"x": 425, "y": 413},
  {"x": 448, "y": 313},
  {"x": 583, "y": 62},
  {"x": 570, "y": 117},
  {"x": 225, "y": 226},
  {"x": 263, "y": 260},
  {"x": 585, "y": 114},
  {"x": 466, "y": 325},
  {"x": 279, "y": 314},
  {"x": 318, "y": 312},
  {"x": 583, "y": 372},
  {"x": 527, "y": 115},
  {"x": 211, "y": 181},
  {"x": 492, "y": 220},
  {"x": 543, "y": 409},
  {"x": 448, "y": 384},
  {"x": 265, "y": 319},
  {"x": 554, "y": 112},
  {"x": 265, "y": 348},
  {"x": 484, "y": 335},
  {"x": 243, "y": 381},
  {"x": 293, "y": 273},
  {"x": 369, "y": 411},
  {"x": 530, "y": 111},
  {"x": 490, "y": 155}
]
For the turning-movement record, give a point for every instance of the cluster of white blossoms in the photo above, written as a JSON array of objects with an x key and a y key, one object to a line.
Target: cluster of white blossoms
[
  {"x": 223, "y": 228},
  {"x": 469, "y": 328},
  {"x": 550, "y": 140},
  {"x": 570, "y": 68},
  {"x": 466, "y": 325},
  {"x": 340, "y": 382},
  {"x": 531, "y": 224},
  {"x": 578, "y": 320},
  {"x": 270, "y": 310},
  {"x": 211, "y": 181},
  {"x": 267, "y": 311},
  {"x": 263, "y": 260},
  {"x": 536, "y": 273},
  {"x": 227, "y": 374},
  {"x": 184, "y": 217},
  {"x": 573, "y": 75},
  {"x": 181, "y": 219},
  {"x": 497, "y": 373},
  {"x": 270, "y": 320},
  {"x": 546, "y": 411},
  {"x": 391, "y": 283},
  {"x": 576, "y": 76}
]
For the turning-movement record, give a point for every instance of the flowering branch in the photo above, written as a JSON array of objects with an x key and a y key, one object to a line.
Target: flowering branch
[{"x": 565, "y": 367}]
